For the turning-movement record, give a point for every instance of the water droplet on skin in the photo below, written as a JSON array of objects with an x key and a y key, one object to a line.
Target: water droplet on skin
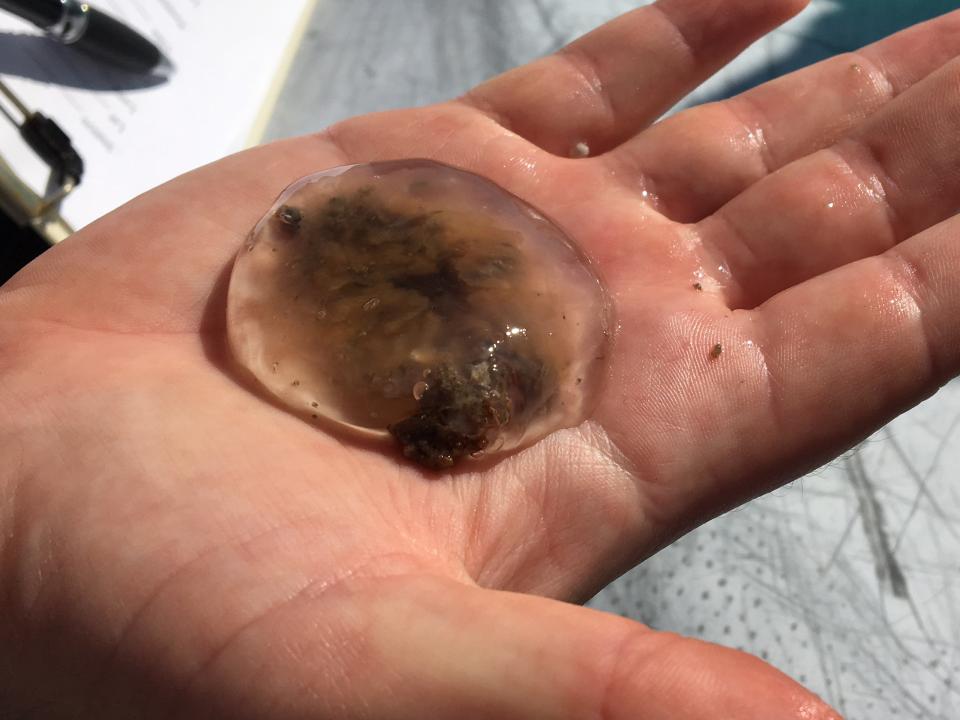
[{"x": 486, "y": 313}]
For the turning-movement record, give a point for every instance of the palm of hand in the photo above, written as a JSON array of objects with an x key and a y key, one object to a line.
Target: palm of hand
[{"x": 201, "y": 548}]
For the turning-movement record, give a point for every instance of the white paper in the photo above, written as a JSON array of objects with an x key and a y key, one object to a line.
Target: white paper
[{"x": 227, "y": 55}]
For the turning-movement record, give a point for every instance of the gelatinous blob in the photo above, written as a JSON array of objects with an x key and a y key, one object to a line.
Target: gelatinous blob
[{"x": 414, "y": 300}]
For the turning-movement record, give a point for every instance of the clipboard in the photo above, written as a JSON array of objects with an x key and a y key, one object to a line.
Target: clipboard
[{"x": 138, "y": 132}]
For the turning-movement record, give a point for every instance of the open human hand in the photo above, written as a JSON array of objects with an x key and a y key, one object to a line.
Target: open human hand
[{"x": 172, "y": 545}]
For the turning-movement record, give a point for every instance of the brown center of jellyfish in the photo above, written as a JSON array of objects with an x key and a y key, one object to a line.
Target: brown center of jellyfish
[{"x": 420, "y": 300}]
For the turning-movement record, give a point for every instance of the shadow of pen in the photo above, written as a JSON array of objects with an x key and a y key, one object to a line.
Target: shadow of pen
[{"x": 37, "y": 57}]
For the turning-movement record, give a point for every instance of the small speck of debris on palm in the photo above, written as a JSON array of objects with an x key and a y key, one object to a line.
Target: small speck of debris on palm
[
  {"x": 697, "y": 286},
  {"x": 715, "y": 351}
]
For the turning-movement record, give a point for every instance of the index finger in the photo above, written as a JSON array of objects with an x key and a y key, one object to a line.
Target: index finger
[{"x": 611, "y": 83}]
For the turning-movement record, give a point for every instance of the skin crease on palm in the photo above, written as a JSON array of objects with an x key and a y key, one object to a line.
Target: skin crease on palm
[{"x": 172, "y": 545}]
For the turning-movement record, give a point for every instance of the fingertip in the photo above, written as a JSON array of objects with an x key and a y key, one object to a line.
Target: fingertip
[
  {"x": 780, "y": 11},
  {"x": 792, "y": 7},
  {"x": 716, "y": 31},
  {"x": 703, "y": 680}
]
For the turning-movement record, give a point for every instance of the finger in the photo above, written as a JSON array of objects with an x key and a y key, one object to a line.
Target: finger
[
  {"x": 614, "y": 81},
  {"x": 435, "y": 648},
  {"x": 807, "y": 375},
  {"x": 847, "y": 351},
  {"x": 698, "y": 160},
  {"x": 897, "y": 174}
]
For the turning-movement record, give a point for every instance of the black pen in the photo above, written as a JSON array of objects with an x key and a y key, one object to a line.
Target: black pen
[{"x": 93, "y": 31}]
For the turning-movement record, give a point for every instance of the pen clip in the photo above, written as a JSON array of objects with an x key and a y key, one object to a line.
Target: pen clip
[{"x": 53, "y": 146}]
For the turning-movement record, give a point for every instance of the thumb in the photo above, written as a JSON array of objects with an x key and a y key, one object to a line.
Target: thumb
[
  {"x": 428, "y": 647},
  {"x": 472, "y": 653}
]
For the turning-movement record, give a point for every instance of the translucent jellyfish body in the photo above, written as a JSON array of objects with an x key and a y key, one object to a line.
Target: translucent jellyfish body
[{"x": 415, "y": 300}]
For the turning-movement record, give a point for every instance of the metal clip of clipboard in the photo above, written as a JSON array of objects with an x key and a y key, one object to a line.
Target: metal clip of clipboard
[{"x": 19, "y": 201}]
